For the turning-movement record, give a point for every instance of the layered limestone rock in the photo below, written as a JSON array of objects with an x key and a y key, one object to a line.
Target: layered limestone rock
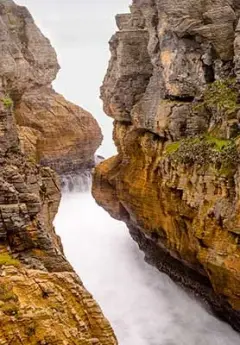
[
  {"x": 52, "y": 130},
  {"x": 42, "y": 300},
  {"x": 172, "y": 87},
  {"x": 57, "y": 133}
]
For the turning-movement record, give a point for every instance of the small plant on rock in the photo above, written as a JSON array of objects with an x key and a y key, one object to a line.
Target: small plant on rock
[
  {"x": 7, "y": 101},
  {"x": 221, "y": 101},
  {"x": 222, "y": 96}
]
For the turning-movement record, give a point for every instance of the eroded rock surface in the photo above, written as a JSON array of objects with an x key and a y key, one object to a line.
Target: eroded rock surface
[
  {"x": 53, "y": 131},
  {"x": 42, "y": 300},
  {"x": 172, "y": 87},
  {"x": 57, "y": 133}
]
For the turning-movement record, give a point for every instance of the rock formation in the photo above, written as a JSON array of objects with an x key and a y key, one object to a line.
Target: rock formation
[
  {"x": 52, "y": 130},
  {"x": 42, "y": 300},
  {"x": 172, "y": 87}
]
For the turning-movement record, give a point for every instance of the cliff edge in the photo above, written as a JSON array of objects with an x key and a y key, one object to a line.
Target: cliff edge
[
  {"x": 172, "y": 87},
  {"x": 42, "y": 300}
]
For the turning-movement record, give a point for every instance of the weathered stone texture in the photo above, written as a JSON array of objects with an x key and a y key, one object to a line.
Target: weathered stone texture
[
  {"x": 175, "y": 180},
  {"x": 53, "y": 131},
  {"x": 169, "y": 51},
  {"x": 42, "y": 300},
  {"x": 27, "y": 58},
  {"x": 49, "y": 308}
]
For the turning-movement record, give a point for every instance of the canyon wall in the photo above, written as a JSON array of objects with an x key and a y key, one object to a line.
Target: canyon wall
[
  {"x": 42, "y": 300},
  {"x": 53, "y": 131},
  {"x": 172, "y": 87}
]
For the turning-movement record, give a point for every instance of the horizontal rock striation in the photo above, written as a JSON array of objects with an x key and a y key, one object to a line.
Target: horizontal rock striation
[
  {"x": 52, "y": 130},
  {"x": 42, "y": 300},
  {"x": 172, "y": 87},
  {"x": 57, "y": 133}
]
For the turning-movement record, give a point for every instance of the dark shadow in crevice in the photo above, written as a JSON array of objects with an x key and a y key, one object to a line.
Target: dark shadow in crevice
[
  {"x": 182, "y": 98},
  {"x": 209, "y": 73}
]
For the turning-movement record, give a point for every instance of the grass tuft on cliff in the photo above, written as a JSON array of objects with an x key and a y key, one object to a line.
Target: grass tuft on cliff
[
  {"x": 7, "y": 260},
  {"x": 221, "y": 99}
]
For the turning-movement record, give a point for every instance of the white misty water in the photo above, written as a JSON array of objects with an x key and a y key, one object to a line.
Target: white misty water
[{"x": 143, "y": 305}]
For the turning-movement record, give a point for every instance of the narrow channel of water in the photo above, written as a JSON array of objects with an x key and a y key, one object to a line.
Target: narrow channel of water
[{"x": 144, "y": 306}]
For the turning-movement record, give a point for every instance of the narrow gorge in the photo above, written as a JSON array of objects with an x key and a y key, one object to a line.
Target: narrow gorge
[
  {"x": 171, "y": 92},
  {"x": 172, "y": 88}
]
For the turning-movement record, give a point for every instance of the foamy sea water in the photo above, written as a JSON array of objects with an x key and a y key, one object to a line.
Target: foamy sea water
[{"x": 143, "y": 305}]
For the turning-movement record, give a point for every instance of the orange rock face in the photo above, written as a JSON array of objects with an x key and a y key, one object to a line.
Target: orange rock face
[
  {"x": 191, "y": 211},
  {"x": 56, "y": 132},
  {"x": 172, "y": 87},
  {"x": 42, "y": 300},
  {"x": 54, "y": 308}
]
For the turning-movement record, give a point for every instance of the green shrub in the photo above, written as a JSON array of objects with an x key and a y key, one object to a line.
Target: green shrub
[{"x": 221, "y": 99}]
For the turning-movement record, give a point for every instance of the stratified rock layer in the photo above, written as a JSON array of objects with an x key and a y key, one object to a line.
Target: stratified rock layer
[
  {"x": 172, "y": 87},
  {"x": 52, "y": 130},
  {"x": 57, "y": 133},
  {"x": 42, "y": 300}
]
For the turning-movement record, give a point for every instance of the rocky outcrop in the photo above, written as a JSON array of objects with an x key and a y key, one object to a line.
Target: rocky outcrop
[
  {"x": 57, "y": 133},
  {"x": 52, "y": 130},
  {"x": 42, "y": 300},
  {"x": 172, "y": 87}
]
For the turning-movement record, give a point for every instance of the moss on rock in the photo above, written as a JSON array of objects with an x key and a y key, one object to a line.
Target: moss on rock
[
  {"x": 222, "y": 95},
  {"x": 172, "y": 147},
  {"x": 7, "y": 260},
  {"x": 221, "y": 101},
  {"x": 206, "y": 151}
]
